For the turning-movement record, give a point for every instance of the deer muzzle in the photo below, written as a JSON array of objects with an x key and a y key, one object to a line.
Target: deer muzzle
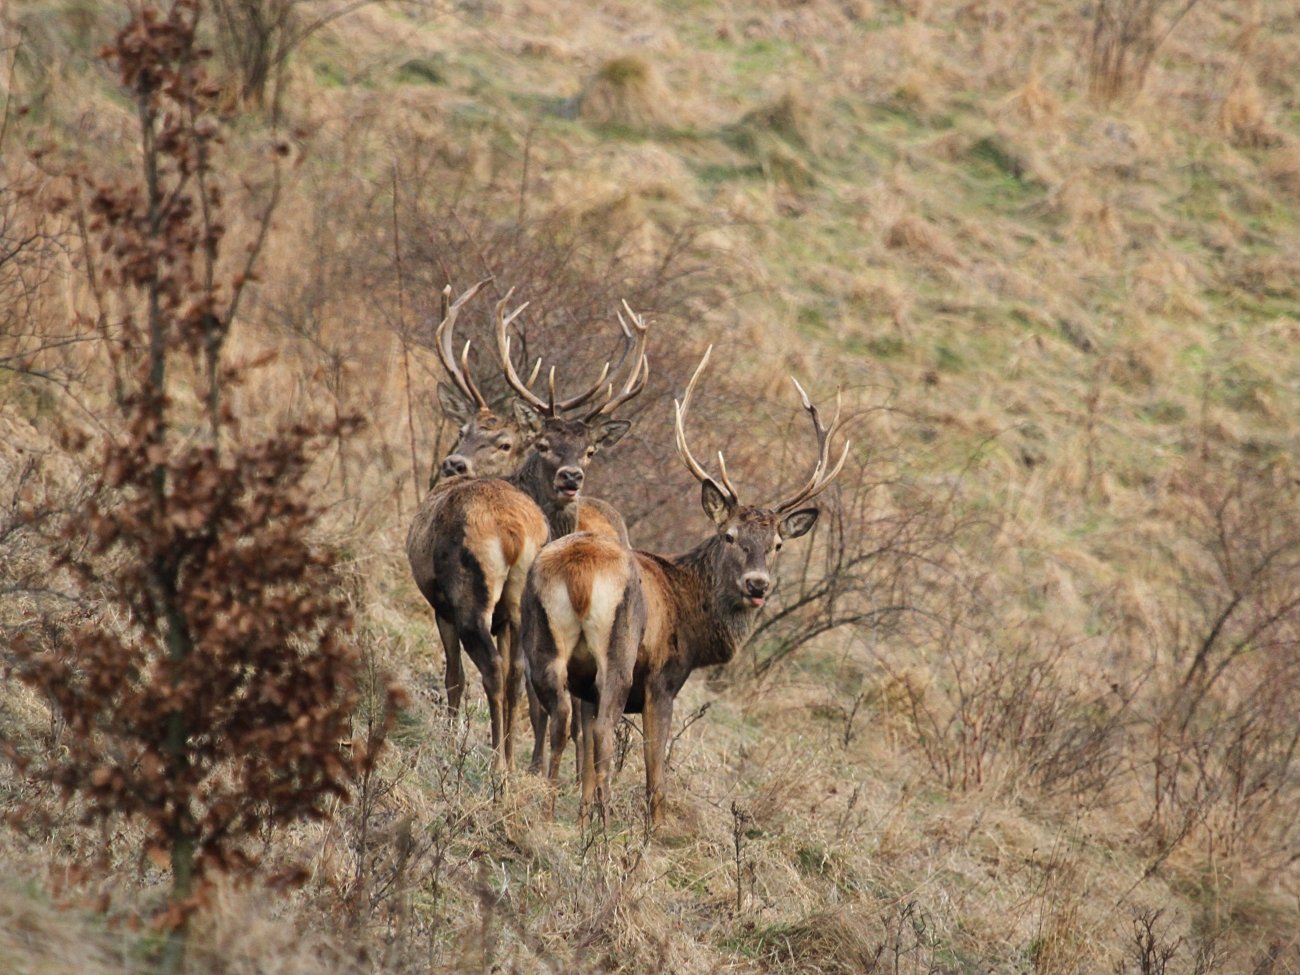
[
  {"x": 454, "y": 464},
  {"x": 754, "y": 586},
  {"x": 568, "y": 482}
]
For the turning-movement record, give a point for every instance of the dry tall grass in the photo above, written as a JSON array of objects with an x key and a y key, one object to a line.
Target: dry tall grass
[{"x": 1068, "y": 332}]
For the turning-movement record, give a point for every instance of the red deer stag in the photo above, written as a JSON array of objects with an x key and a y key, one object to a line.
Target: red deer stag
[
  {"x": 587, "y": 630},
  {"x": 473, "y": 538}
]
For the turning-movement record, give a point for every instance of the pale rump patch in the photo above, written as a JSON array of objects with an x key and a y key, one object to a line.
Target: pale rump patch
[
  {"x": 605, "y": 597},
  {"x": 582, "y": 582},
  {"x": 564, "y": 624},
  {"x": 579, "y": 560},
  {"x": 499, "y": 512}
]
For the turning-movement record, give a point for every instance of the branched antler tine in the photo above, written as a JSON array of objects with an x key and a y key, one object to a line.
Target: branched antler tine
[
  {"x": 507, "y": 365},
  {"x": 532, "y": 376},
  {"x": 573, "y": 402},
  {"x": 679, "y": 422},
  {"x": 684, "y": 451},
  {"x": 822, "y": 474},
  {"x": 638, "y": 321},
  {"x": 642, "y": 329},
  {"x": 629, "y": 341},
  {"x": 634, "y": 341},
  {"x": 442, "y": 342},
  {"x": 465, "y": 374},
  {"x": 636, "y": 382},
  {"x": 726, "y": 481}
]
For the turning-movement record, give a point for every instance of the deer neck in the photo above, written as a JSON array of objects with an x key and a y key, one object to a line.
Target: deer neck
[
  {"x": 531, "y": 478},
  {"x": 563, "y": 518},
  {"x": 714, "y": 622}
]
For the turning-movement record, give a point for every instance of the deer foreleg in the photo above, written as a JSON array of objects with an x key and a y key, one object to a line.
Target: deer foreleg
[{"x": 657, "y": 717}]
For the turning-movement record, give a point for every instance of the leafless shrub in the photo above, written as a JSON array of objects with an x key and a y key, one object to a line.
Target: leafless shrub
[
  {"x": 879, "y": 539},
  {"x": 1151, "y": 952},
  {"x": 256, "y": 38},
  {"x": 1224, "y": 737},
  {"x": 1126, "y": 34},
  {"x": 32, "y": 240},
  {"x": 1003, "y": 708},
  {"x": 208, "y": 691}
]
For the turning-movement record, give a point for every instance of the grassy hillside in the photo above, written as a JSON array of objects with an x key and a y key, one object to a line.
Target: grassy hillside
[{"x": 1040, "y": 710}]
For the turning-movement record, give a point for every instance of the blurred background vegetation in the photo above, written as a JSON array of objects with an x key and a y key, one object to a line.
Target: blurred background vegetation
[{"x": 1027, "y": 701}]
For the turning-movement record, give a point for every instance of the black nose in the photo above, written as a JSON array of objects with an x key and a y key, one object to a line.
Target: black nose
[
  {"x": 756, "y": 587},
  {"x": 453, "y": 465},
  {"x": 569, "y": 477}
]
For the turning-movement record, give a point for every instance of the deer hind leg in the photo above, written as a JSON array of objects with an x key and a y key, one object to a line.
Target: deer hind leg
[
  {"x": 586, "y": 719},
  {"x": 478, "y": 643},
  {"x": 560, "y": 709},
  {"x": 508, "y": 615},
  {"x": 615, "y": 683},
  {"x": 575, "y": 732},
  {"x": 537, "y": 717},
  {"x": 512, "y": 681},
  {"x": 548, "y": 648},
  {"x": 454, "y": 674}
]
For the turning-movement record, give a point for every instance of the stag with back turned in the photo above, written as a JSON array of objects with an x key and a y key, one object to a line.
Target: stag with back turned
[
  {"x": 624, "y": 630},
  {"x": 474, "y": 538}
]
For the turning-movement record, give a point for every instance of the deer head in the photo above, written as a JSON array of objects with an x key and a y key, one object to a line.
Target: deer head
[
  {"x": 750, "y": 537},
  {"x": 487, "y": 445},
  {"x": 562, "y": 446}
]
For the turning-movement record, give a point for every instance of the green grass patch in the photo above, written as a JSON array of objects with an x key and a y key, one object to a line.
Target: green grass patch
[
  {"x": 719, "y": 173},
  {"x": 1164, "y": 411},
  {"x": 948, "y": 359},
  {"x": 423, "y": 71},
  {"x": 329, "y": 75},
  {"x": 886, "y": 346}
]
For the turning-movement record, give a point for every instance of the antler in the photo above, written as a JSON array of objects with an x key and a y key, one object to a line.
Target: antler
[
  {"x": 679, "y": 421},
  {"x": 636, "y": 379},
  {"x": 554, "y": 407},
  {"x": 459, "y": 372},
  {"x": 507, "y": 365},
  {"x": 821, "y": 479}
]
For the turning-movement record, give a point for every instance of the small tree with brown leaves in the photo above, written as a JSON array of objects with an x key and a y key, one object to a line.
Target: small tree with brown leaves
[{"x": 211, "y": 694}]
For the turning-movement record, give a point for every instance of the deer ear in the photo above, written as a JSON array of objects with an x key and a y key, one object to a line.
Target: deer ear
[
  {"x": 454, "y": 405},
  {"x": 609, "y": 433},
  {"x": 799, "y": 523},
  {"x": 716, "y": 504},
  {"x": 529, "y": 420}
]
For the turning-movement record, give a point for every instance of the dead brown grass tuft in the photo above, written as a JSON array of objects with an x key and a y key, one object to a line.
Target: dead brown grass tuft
[
  {"x": 835, "y": 942},
  {"x": 626, "y": 91},
  {"x": 1282, "y": 168},
  {"x": 37, "y": 939},
  {"x": 921, "y": 239},
  {"x": 789, "y": 117},
  {"x": 1243, "y": 117}
]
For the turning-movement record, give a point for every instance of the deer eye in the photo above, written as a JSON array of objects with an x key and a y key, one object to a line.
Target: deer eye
[
  {"x": 542, "y": 446},
  {"x": 591, "y": 451},
  {"x": 777, "y": 547},
  {"x": 729, "y": 538},
  {"x": 504, "y": 445}
]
